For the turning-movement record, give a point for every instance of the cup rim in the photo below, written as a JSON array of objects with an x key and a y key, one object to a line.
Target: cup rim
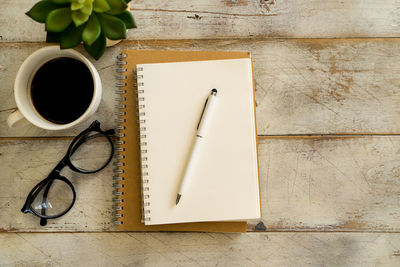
[{"x": 26, "y": 112}]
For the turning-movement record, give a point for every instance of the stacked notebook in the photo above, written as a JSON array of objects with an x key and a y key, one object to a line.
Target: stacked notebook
[{"x": 162, "y": 99}]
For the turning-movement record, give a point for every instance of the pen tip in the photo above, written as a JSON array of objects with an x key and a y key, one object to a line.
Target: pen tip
[{"x": 178, "y": 197}]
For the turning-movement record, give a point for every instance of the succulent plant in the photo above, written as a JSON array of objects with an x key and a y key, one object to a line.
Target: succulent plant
[{"x": 69, "y": 22}]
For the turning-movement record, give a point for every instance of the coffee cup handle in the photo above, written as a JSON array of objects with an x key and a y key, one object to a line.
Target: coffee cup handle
[{"x": 16, "y": 119}]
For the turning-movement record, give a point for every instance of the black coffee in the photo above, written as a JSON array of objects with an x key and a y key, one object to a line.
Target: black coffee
[{"x": 62, "y": 90}]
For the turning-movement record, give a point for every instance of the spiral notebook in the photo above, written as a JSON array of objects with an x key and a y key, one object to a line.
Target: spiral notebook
[
  {"x": 128, "y": 193},
  {"x": 223, "y": 184}
]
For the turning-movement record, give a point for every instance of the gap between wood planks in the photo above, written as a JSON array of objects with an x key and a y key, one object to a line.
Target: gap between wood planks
[
  {"x": 248, "y": 231},
  {"x": 260, "y": 137},
  {"x": 202, "y": 12},
  {"x": 153, "y": 43},
  {"x": 327, "y": 136}
]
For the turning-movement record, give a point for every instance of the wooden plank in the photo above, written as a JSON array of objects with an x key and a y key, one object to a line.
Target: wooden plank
[
  {"x": 324, "y": 86},
  {"x": 200, "y": 249},
  {"x": 307, "y": 184},
  {"x": 226, "y": 18},
  {"x": 330, "y": 183}
]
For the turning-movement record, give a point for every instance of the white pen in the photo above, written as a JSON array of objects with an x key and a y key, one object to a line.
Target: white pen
[{"x": 199, "y": 139}]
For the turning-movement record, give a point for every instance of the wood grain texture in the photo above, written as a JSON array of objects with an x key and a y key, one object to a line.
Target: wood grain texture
[
  {"x": 226, "y": 18},
  {"x": 307, "y": 184},
  {"x": 330, "y": 184},
  {"x": 191, "y": 249},
  {"x": 303, "y": 86},
  {"x": 321, "y": 86}
]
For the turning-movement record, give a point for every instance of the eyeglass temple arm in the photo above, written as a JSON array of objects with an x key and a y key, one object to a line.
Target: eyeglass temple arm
[{"x": 43, "y": 221}]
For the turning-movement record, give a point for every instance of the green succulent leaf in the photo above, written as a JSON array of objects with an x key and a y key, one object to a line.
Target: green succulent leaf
[
  {"x": 61, "y": 1},
  {"x": 126, "y": 1},
  {"x": 113, "y": 27},
  {"x": 92, "y": 30},
  {"x": 79, "y": 18},
  {"x": 96, "y": 50},
  {"x": 76, "y": 6},
  {"x": 58, "y": 20},
  {"x": 87, "y": 9},
  {"x": 100, "y": 6},
  {"x": 52, "y": 37},
  {"x": 41, "y": 10},
  {"x": 128, "y": 19},
  {"x": 116, "y": 7},
  {"x": 80, "y": 2},
  {"x": 71, "y": 37}
]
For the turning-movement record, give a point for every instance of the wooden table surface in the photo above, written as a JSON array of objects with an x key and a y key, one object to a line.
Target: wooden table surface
[{"x": 327, "y": 77}]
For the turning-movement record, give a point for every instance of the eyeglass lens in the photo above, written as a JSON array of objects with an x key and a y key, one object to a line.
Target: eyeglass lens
[
  {"x": 91, "y": 151},
  {"x": 53, "y": 199}
]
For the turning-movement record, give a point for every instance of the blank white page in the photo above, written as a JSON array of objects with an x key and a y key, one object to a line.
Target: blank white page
[{"x": 224, "y": 185}]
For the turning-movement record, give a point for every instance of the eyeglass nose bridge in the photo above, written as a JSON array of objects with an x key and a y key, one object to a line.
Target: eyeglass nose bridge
[{"x": 57, "y": 170}]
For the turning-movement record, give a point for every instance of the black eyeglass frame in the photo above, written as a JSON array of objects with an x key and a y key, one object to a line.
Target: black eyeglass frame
[{"x": 55, "y": 173}]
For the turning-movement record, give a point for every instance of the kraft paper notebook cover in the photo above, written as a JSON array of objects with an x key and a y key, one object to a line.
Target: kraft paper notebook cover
[
  {"x": 128, "y": 195},
  {"x": 223, "y": 182}
]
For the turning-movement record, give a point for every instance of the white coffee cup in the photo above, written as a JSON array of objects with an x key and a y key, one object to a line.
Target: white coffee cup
[{"x": 22, "y": 92}]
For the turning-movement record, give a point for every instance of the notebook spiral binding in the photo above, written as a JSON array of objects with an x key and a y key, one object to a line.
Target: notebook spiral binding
[
  {"x": 139, "y": 84},
  {"x": 118, "y": 178}
]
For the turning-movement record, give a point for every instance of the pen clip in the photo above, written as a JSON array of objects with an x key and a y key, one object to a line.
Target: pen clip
[{"x": 204, "y": 108}]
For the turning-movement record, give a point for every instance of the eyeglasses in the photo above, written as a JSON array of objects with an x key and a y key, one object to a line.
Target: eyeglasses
[{"x": 55, "y": 195}]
